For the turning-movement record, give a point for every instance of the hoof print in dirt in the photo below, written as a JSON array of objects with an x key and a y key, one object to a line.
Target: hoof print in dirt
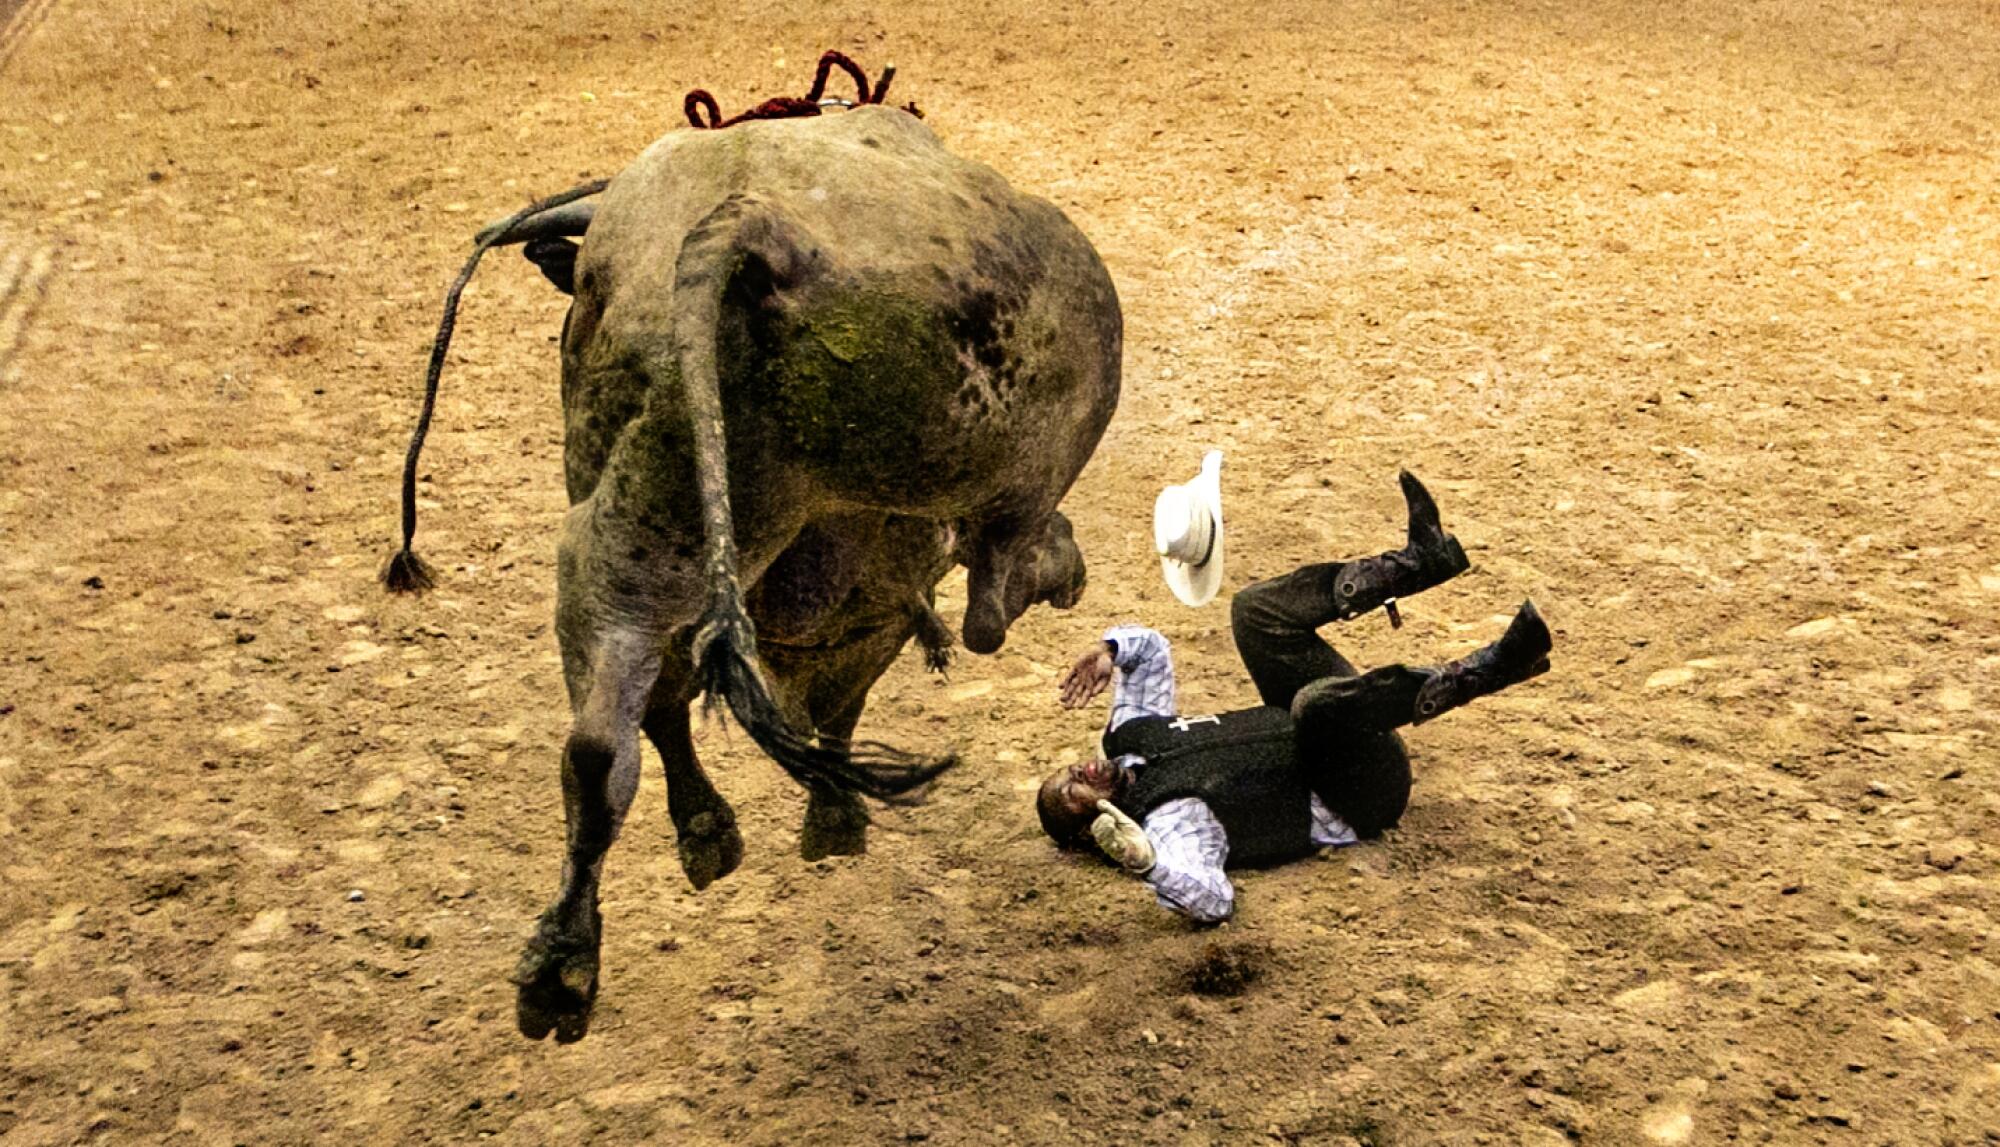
[
  {"x": 835, "y": 825},
  {"x": 557, "y": 982},
  {"x": 710, "y": 848},
  {"x": 1225, "y": 969}
]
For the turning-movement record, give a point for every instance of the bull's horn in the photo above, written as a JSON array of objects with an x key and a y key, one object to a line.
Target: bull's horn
[{"x": 565, "y": 222}]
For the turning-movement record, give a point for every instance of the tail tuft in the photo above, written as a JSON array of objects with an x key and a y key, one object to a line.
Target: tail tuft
[
  {"x": 934, "y": 638},
  {"x": 869, "y": 768},
  {"x": 407, "y": 573}
]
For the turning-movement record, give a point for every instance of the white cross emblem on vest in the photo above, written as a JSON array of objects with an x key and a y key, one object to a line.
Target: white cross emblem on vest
[{"x": 1181, "y": 725}]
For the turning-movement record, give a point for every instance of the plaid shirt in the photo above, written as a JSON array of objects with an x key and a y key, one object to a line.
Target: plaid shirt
[{"x": 1190, "y": 847}]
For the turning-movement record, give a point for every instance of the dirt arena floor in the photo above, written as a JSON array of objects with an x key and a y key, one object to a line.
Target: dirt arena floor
[{"x": 1686, "y": 311}]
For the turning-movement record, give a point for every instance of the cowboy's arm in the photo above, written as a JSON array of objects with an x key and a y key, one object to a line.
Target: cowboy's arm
[
  {"x": 1189, "y": 851},
  {"x": 1144, "y": 683}
]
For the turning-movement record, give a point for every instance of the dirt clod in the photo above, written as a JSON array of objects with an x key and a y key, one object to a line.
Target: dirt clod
[{"x": 1225, "y": 969}]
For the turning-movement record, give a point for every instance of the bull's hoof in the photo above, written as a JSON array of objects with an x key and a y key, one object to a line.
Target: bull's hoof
[
  {"x": 557, "y": 982},
  {"x": 833, "y": 827},
  {"x": 1060, "y": 572},
  {"x": 710, "y": 847},
  {"x": 1067, "y": 595},
  {"x": 1065, "y": 588}
]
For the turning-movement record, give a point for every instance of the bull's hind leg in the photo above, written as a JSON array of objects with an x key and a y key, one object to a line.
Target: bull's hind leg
[
  {"x": 610, "y": 681},
  {"x": 704, "y": 825},
  {"x": 629, "y": 588}
]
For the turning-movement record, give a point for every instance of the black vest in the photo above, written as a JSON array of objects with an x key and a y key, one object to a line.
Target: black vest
[{"x": 1242, "y": 765}]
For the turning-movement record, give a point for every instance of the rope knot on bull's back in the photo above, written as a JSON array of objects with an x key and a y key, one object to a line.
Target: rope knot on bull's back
[{"x": 699, "y": 101}]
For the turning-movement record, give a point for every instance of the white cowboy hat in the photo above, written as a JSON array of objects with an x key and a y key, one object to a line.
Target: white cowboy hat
[{"x": 1187, "y": 530}]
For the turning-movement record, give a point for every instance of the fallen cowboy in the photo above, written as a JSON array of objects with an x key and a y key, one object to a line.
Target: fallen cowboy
[
  {"x": 802, "y": 360},
  {"x": 1176, "y": 800}
]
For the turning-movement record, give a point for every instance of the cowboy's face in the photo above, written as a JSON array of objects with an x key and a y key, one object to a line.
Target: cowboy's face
[{"x": 1077, "y": 789}]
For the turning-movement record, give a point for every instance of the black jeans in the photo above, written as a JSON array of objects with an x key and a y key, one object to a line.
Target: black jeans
[{"x": 1347, "y": 745}]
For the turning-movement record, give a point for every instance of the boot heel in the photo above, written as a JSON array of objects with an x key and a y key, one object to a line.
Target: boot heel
[{"x": 1455, "y": 561}]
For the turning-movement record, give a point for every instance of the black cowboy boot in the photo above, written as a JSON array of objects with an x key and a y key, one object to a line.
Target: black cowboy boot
[
  {"x": 1428, "y": 558},
  {"x": 1396, "y": 695},
  {"x": 1522, "y": 652}
]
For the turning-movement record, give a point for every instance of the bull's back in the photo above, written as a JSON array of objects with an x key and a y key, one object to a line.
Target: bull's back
[{"x": 937, "y": 338}]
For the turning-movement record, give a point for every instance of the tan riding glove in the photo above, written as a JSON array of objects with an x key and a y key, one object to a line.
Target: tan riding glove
[{"x": 1122, "y": 839}]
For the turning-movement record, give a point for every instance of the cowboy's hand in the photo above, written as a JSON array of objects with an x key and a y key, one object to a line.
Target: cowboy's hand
[
  {"x": 1122, "y": 839},
  {"x": 1087, "y": 678}
]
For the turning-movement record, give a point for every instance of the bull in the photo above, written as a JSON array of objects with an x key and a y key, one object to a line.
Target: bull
[{"x": 809, "y": 365}]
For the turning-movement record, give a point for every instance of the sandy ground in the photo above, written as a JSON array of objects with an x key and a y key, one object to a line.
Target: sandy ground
[{"x": 1687, "y": 312}]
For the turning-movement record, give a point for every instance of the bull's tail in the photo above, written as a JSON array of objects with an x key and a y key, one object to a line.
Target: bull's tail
[
  {"x": 406, "y": 572},
  {"x": 741, "y": 229}
]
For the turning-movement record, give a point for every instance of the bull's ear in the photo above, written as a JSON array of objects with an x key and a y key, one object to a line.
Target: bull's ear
[{"x": 556, "y": 259}]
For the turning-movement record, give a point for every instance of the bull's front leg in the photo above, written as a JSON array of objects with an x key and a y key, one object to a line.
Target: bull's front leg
[
  {"x": 557, "y": 973},
  {"x": 704, "y": 825},
  {"x": 836, "y": 823}
]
